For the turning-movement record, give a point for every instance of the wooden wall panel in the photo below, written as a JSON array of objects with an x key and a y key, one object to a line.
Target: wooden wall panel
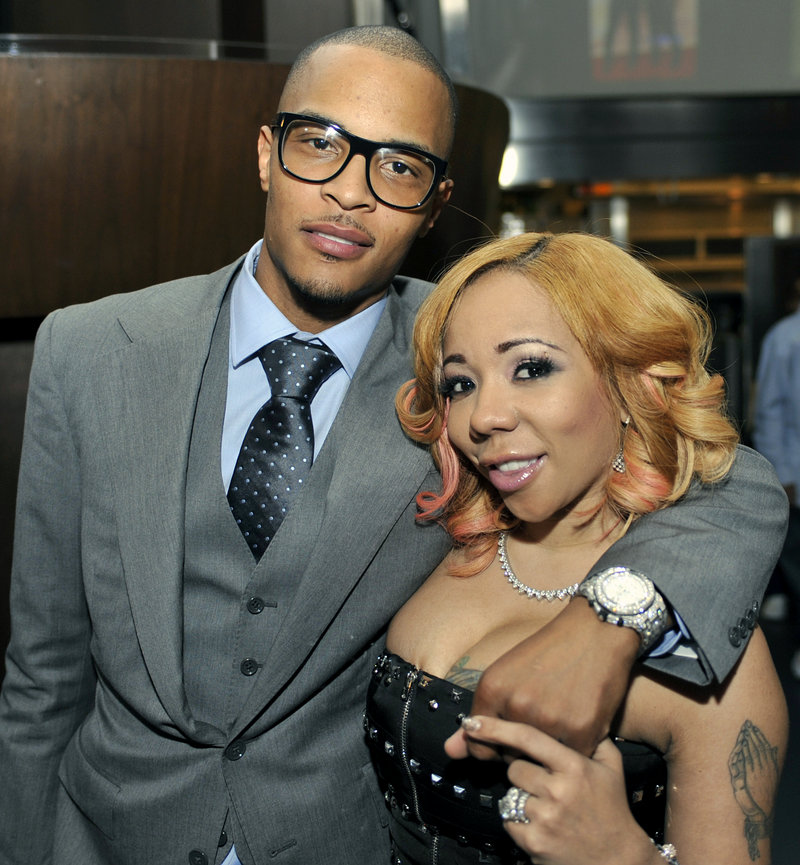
[{"x": 118, "y": 172}]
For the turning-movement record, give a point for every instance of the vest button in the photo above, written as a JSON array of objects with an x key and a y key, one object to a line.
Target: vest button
[
  {"x": 255, "y": 606},
  {"x": 249, "y": 667},
  {"x": 235, "y": 751},
  {"x": 197, "y": 857}
]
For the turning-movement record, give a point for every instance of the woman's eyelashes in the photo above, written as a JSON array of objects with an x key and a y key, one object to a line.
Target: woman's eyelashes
[
  {"x": 534, "y": 367},
  {"x": 455, "y": 385},
  {"x": 529, "y": 369}
]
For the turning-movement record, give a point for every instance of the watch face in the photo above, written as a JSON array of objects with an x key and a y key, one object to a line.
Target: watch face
[{"x": 624, "y": 592}]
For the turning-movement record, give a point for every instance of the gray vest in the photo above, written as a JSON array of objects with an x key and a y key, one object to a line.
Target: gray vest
[{"x": 230, "y": 617}]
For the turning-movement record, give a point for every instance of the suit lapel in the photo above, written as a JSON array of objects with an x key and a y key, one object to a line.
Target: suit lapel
[{"x": 150, "y": 389}]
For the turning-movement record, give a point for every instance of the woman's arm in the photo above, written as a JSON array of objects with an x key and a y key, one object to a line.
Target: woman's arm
[
  {"x": 724, "y": 746},
  {"x": 725, "y": 760}
]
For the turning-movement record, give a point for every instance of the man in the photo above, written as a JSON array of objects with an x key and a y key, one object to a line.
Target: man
[
  {"x": 181, "y": 687},
  {"x": 776, "y": 434}
]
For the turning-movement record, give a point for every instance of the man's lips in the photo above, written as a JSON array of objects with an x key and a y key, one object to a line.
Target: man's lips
[
  {"x": 509, "y": 475},
  {"x": 338, "y": 241}
]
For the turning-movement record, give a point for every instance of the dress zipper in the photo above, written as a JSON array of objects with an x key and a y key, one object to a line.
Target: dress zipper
[{"x": 407, "y": 697}]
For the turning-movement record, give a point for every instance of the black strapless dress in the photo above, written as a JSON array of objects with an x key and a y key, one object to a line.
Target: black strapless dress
[{"x": 445, "y": 811}]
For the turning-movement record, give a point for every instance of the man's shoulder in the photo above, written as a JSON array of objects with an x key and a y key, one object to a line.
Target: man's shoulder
[
  {"x": 752, "y": 463},
  {"x": 410, "y": 292},
  {"x": 146, "y": 309},
  {"x": 404, "y": 299}
]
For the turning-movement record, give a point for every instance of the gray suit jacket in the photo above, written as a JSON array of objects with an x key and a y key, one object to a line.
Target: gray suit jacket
[{"x": 100, "y": 758}]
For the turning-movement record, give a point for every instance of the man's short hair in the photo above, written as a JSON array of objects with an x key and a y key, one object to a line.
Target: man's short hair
[{"x": 387, "y": 40}]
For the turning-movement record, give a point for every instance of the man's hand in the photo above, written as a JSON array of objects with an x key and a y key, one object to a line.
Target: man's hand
[{"x": 567, "y": 680}]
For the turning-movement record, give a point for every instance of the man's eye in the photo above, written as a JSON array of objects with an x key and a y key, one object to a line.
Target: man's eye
[
  {"x": 402, "y": 166},
  {"x": 398, "y": 167}
]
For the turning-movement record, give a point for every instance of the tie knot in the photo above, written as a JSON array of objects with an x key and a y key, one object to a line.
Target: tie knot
[{"x": 297, "y": 369}]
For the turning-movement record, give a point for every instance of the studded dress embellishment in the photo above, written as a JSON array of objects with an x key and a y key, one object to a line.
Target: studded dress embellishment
[{"x": 422, "y": 784}]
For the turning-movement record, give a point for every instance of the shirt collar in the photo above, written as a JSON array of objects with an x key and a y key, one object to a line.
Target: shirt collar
[{"x": 256, "y": 321}]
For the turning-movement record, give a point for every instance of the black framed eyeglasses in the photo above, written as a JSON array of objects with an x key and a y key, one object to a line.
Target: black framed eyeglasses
[{"x": 313, "y": 150}]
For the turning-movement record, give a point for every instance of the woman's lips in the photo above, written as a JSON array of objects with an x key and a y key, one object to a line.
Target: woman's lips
[{"x": 510, "y": 475}]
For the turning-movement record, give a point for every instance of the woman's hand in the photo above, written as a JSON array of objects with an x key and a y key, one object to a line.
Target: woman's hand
[{"x": 577, "y": 808}]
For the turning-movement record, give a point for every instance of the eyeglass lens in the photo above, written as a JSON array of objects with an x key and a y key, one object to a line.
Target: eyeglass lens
[{"x": 315, "y": 152}]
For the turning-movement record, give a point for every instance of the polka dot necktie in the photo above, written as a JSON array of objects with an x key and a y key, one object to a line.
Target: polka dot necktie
[{"x": 278, "y": 448}]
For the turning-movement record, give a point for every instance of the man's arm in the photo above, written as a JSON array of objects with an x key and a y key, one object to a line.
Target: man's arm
[
  {"x": 710, "y": 556},
  {"x": 49, "y": 680}
]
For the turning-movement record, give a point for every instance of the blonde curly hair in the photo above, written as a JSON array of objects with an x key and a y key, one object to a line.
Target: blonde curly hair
[{"x": 649, "y": 344}]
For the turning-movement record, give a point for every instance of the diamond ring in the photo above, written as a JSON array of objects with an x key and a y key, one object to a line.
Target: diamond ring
[{"x": 512, "y": 806}]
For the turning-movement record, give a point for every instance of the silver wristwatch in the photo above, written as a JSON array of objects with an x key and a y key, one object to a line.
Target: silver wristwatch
[{"x": 624, "y": 597}]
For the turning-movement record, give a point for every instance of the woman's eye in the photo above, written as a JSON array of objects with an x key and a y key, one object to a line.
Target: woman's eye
[
  {"x": 456, "y": 386},
  {"x": 534, "y": 368}
]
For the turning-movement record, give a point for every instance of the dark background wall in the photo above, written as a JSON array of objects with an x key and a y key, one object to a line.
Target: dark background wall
[
  {"x": 185, "y": 19},
  {"x": 281, "y": 24}
]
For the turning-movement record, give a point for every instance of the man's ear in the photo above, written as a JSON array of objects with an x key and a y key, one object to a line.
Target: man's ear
[
  {"x": 440, "y": 198},
  {"x": 264, "y": 152}
]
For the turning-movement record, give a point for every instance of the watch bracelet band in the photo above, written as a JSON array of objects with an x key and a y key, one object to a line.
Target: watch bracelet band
[
  {"x": 651, "y": 624},
  {"x": 656, "y": 623}
]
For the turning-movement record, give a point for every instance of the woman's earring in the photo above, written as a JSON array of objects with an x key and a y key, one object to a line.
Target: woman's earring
[{"x": 618, "y": 463}]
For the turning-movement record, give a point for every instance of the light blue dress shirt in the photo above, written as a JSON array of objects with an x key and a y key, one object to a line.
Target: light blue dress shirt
[{"x": 256, "y": 321}]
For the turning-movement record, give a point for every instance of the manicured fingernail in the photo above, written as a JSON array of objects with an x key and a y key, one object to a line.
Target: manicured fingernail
[{"x": 471, "y": 725}]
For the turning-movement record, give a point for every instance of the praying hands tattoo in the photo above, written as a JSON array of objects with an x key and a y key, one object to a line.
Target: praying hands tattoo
[{"x": 753, "y": 765}]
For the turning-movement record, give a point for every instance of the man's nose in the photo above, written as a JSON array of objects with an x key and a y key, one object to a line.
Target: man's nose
[{"x": 350, "y": 187}]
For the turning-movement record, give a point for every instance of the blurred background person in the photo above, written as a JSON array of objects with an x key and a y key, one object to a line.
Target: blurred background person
[{"x": 776, "y": 433}]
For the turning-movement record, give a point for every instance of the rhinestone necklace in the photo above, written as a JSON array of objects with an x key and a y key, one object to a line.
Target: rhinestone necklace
[{"x": 536, "y": 594}]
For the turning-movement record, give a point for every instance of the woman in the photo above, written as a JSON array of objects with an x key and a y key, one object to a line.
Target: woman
[{"x": 562, "y": 389}]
